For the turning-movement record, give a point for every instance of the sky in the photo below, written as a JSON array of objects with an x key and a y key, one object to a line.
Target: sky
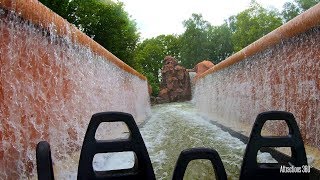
[{"x": 156, "y": 17}]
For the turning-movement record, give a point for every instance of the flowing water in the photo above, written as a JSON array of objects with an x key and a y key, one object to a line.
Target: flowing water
[
  {"x": 49, "y": 88},
  {"x": 175, "y": 127},
  {"x": 178, "y": 126},
  {"x": 283, "y": 77}
]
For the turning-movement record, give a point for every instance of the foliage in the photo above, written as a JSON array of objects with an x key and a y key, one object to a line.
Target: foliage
[
  {"x": 194, "y": 41},
  {"x": 292, "y": 9},
  {"x": 150, "y": 53},
  {"x": 306, "y": 4},
  {"x": 103, "y": 20},
  {"x": 253, "y": 23},
  {"x": 108, "y": 24},
  {"x": 202, "y": 41},
  {"x": 219, "y": 43},
  {"x": 58, "y": 6}
]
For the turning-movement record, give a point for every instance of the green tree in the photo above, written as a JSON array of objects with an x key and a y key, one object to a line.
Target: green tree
[
  {"x": 219, "y": 43},
  {"x": 103, "y": 20},
  {"x": 292, "y": 9},
  {"x": 171, "y": 45},
  {"x": 150, "y": 54},
  {"x": 306, "y": 4},
  {"x": 194, "y": 41},
  {"x": 58, "y": 6},
  {"x": 231, "y": 23},
  {"x": 202, "y": 41},
  {"x": 253, "y": 23}
]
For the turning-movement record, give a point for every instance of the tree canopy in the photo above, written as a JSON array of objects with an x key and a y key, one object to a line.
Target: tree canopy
[
  {"x": 194, "y": 40},
  {"x": 107, "y": 23},
  {"x": 150, "y": 53},
  {"x": 202, "y": 41},
  {"x": 253, "y": 23},
  {"x": 103, "y": 20},
  {"x": 292, "y": 9}
]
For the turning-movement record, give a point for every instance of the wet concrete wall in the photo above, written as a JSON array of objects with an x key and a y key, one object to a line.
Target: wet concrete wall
[
  {"x": 52, "y": 79},
  {"x": 280, "y": 71}
]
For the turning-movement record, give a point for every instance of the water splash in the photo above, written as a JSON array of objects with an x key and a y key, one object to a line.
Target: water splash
[
  {"x": 171, "y": 129},
  {"x": 283, "y": 77},
  {"x": 178, "y": 126},
  {"x": 49, "y": 88}
]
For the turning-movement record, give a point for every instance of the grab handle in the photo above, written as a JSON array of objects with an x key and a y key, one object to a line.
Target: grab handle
[
  {"x": 44, "y": 161},
  {"x": 142, "y": 168},
  {"x": 199, "y": 153},
  {"x": 252, "y": 170}
]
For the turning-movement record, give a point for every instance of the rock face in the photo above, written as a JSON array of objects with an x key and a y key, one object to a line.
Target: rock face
[
  {"x": 175, "y": 84},
  {"x": 198, "y": 69},
  {"x": 203, "y": 66}
]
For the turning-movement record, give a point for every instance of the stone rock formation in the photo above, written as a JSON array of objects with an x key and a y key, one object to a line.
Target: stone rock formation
[
  {"x": 201, "y": 67},
  {"x": 198, "y": 69},
  {"x": 175, "y": 84}
]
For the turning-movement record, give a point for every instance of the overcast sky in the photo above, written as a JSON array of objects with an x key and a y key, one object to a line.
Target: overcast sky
[{"x": 155, "y": 17}]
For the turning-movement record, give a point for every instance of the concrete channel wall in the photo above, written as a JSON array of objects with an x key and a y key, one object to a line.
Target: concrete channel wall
[
  {"x": 52, "y": 79},
  {"x": 280, "y": 71}
]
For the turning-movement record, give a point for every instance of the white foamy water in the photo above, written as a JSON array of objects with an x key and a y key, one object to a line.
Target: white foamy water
[
  {"x": 284, "y": 77},
  {"x": 175, "y": 127},
  {"x": 113, "y": 161},
  {"x": 50, "y": 88}
]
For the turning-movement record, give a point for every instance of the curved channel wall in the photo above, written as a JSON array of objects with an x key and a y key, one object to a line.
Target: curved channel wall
[
  {"x": 280, "y": 71},
  {"x": 53, "y": 78}
]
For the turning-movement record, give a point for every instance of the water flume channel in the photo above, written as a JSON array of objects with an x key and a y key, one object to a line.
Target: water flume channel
[{"x": 177, "y": 126}]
